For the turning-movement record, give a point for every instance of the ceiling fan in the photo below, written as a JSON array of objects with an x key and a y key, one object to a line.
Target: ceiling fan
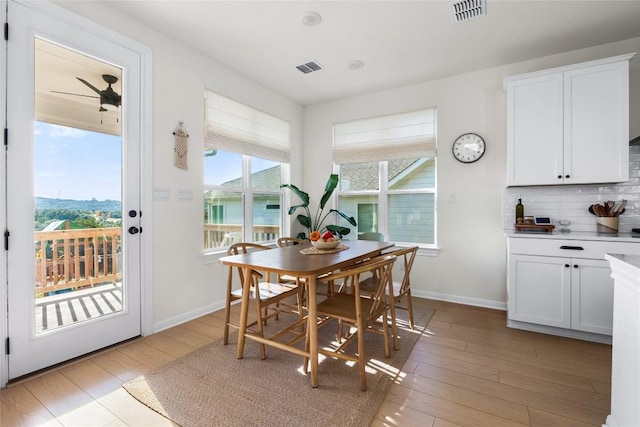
[{"x": 109, "y": 98}]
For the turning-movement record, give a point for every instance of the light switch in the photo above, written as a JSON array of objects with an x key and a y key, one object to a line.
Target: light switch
[{"x": 160, "y": 194}]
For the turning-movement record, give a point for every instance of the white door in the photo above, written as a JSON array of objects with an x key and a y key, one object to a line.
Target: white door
[
  {"x": 72, "y": 191},
  {"x": 591, "y": 296}
]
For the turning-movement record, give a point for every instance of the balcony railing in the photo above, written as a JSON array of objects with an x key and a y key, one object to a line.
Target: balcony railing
[
  {"x": 72, "y": 259},
  {"x": 222, "y": 235}
]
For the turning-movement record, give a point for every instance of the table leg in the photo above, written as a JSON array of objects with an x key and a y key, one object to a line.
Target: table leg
[
  {"x": 312, "y": 324},
  {"x": 244, "y": 311}
]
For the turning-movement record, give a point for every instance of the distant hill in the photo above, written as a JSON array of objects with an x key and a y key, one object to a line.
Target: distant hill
[{"x": 80, "y": 205}]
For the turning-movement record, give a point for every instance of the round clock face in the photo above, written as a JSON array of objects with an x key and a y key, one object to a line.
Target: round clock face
[{"x": 468, "y": 148}]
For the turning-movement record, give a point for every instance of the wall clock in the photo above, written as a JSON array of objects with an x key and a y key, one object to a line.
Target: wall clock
[{"x": 468, "y": 148}]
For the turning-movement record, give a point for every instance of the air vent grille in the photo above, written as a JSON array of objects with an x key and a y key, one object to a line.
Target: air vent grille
[
  {"x": 467, "y": 9},
  {"x": 309, "y": 67}
]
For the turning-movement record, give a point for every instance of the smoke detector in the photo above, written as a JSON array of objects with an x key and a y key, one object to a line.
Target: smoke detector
[
  {"x": 467, "y": 9},
  {"x": 309, "y": 67}
]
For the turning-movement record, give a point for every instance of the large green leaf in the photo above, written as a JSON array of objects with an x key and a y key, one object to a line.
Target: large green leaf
[
  {"x": 304, "y": 220},
  {"x": 340, "y": 231},
  {"x": 331, "y": 185},
  {"x": 298, "y": 192},
  {"x": 350, "y": 219}
]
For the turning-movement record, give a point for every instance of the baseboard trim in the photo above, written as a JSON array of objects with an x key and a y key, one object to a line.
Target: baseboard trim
[
  {"x": 567, "y": 333},
  {"x": 476, "y": 302},
  {"x": 188, "y": 316}
]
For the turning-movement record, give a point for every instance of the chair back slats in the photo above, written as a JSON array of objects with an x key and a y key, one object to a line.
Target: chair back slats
[
  {"x": 289, "y": 241},
  {"x": 408, "y": 256}
]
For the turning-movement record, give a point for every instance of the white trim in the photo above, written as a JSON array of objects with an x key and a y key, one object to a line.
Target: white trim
[
  {"x": 146, "y": 63},
  {"x": 188, "y": 316},
  {"x": 4, "y": 365}
]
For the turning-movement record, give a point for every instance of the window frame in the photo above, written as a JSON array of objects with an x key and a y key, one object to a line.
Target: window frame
[
  {"x": 383, "y": 194},
  {"x": 247, "y": 193}
]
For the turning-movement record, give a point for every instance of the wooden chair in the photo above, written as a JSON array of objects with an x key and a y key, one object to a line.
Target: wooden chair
[
  {"x": 289, "y": 241},
  {"x": 401, "y": 288},
  {"x": 357, "y": 311},
  {"x": 268, "y": 297}
]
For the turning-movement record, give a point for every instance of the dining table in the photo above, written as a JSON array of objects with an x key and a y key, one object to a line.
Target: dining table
[{"x": 308, "y": 265}]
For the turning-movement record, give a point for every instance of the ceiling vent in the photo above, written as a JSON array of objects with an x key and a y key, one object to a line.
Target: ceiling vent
[
  {"x": 309, "y": 67},
  {"x": 467, "y": 9}
]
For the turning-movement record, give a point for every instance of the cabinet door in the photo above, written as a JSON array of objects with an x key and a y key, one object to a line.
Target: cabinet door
[
  {"x": 535, "y": 130},
  {"x": 596, "y": 134},
  {"x": 591, "y": 296},
  {"x": 540, "y": 290}
]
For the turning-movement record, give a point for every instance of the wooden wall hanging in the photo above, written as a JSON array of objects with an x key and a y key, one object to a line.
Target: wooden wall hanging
[{"x": 180, "y": 147}]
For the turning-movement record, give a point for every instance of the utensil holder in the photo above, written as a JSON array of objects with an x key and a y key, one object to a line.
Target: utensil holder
[{"x": 607, "y": 224}]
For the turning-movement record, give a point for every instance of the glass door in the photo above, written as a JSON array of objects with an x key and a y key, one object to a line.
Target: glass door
[{"x": 72, "y": 192}]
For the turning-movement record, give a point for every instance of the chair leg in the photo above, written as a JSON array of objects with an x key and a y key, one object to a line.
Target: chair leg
[
  {"x": 385, "y": 329},
  {"x": 410, "y": 308},
  {"x": 361, "y": 359},
  {"x": 263, "y": 354}
]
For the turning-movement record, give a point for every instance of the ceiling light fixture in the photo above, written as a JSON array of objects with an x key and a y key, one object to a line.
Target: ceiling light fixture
[
  {"x": 356, "y": 65},
  {"x": 311, "y": 18}
]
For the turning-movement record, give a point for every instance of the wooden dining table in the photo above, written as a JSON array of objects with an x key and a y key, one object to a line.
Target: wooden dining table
[{"x": 291, "y": 261}]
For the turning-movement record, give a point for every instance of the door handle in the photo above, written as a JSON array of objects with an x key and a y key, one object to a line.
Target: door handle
[{"x": 134, "y": 230}]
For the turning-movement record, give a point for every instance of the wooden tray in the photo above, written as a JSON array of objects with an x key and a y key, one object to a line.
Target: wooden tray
[{"x": 544, "y": 228}]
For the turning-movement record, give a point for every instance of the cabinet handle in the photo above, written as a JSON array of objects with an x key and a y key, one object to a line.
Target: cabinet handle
[
  {"x": 567, "y": 265},
  {"x": 575, "y": 265},
  {"x": 572, "y": 248},
  {"x": 559, "y": 176},
  {"x": 567, "y": 176}
]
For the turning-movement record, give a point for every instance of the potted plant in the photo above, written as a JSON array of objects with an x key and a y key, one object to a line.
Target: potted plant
[{"x": 316, "y": 223}]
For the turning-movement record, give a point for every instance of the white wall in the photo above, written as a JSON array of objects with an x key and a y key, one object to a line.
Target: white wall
[
  {"x": 472, "y": 262},
  {"x": 471, "y": 266}
]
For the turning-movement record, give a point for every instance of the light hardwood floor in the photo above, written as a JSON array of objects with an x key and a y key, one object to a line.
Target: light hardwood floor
[{"x": 468, "y": 369}]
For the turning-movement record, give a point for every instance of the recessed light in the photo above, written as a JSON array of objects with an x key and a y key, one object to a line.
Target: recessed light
[
  {"x": 356, "y": 65},
  {"x": 311, "y": 18}
]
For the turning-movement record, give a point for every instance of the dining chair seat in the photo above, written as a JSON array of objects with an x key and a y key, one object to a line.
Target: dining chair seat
[
  {"x": 357, "y": 312},
  {"x": 270, "y": 298}
]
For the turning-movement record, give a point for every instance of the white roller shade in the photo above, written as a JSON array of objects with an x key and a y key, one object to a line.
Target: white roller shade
[
  {"x": 399, "y": 136},
  {"x": 233, "y": 126}
]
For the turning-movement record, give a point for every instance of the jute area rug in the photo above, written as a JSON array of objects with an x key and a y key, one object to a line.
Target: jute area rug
[{"x": 211, "y": 387}]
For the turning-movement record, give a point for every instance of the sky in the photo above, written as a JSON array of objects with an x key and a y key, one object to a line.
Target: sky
[{"x": 76, "y": 164}]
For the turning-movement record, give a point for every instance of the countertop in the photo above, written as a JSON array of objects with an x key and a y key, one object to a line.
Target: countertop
[
  {"x": 632, "y": 260},
  {"x": 576, "y": 235}
]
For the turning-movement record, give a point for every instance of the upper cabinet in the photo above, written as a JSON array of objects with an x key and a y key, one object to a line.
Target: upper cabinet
[{"x": 569, "y": 125}]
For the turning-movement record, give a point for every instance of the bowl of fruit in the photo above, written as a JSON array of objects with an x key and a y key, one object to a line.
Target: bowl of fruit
[{"x": 324, "y": 241}]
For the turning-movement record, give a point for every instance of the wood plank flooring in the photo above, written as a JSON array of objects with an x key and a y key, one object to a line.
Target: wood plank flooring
[{"x": 468, "y": 369}]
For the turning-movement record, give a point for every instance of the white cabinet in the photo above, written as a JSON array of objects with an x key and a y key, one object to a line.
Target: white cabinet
[
  {"x": 562, "y": 284},
  {"x": 569, "y": 125},
  {"x": 542, "y": 290}
]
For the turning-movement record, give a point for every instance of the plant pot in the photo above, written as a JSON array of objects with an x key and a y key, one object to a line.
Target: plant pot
[{"x": 606, "y": 224}]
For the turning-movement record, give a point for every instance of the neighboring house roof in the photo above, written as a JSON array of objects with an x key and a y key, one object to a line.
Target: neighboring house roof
[{"x": 364, "y": 176}]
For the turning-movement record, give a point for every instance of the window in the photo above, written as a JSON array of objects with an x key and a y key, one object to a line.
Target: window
[
  {"x": 387, "y": 168},
  {"x": 245, "y": 155}
]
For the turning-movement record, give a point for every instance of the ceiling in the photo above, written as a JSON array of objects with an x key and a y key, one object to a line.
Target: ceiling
[{"x": 399, "y": 42}]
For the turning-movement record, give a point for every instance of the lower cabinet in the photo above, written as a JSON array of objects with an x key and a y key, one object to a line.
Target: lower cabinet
[
  {"x": 562, "y": 286},
  {"x": 569, "y": 293}
]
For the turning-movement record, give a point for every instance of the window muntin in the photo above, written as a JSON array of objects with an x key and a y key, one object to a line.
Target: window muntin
[
  {"x": 403, "y": 208},
  {"x": 226, "y": 204}
]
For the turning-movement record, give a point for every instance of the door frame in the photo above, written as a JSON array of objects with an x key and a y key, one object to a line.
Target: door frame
[{"x": 146, "y": 128}]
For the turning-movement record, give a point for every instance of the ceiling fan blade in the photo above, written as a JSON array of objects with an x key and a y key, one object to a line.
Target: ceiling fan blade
[
  {"x": 74, "y": 94},
  {"x": 95, "y": 89}
]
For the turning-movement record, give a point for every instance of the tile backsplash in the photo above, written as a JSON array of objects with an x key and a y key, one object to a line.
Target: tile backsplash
[{"x": 571, "y": 202}]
